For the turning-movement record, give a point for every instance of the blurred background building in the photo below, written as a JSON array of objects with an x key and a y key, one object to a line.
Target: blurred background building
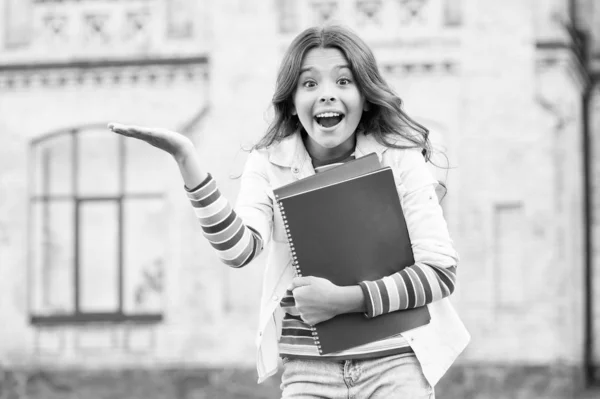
[{"x": 106, "y": 284}]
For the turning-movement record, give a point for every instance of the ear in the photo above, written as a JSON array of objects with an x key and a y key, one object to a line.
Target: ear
[
  {"x": 294, "y": 112},
  {"x": 367, "y": 106}
]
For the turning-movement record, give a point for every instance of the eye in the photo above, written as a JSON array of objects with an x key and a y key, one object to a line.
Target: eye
[
  {"x": 309, "y": 83},
  {"x": 344, "y": 81}
]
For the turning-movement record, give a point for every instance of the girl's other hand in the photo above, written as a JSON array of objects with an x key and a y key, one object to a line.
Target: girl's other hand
[
  {"x": 316, "y": 298},
  {"x": 174, "y": 143}
]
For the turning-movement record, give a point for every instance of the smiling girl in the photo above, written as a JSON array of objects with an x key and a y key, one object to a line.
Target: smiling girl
[{"x": 332, "y": 105}]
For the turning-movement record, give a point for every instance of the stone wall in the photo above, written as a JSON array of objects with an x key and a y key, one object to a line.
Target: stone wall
[{"x": 493, "y": 381}]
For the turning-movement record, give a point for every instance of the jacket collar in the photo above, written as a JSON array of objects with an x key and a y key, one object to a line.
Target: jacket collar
[{"x": 290, "y": 151}]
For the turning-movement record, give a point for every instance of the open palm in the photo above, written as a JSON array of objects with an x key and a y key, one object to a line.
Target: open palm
[{"x": 172, "y": 142}]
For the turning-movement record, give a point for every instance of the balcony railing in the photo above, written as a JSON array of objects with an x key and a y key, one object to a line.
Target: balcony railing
[
  {"x": 72, "y": 29},
  {"x": 380, "y": 17}
]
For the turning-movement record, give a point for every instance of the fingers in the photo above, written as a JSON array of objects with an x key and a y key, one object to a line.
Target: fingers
[
  {"x": 129, "y": 130},
  {"x": 115, "y": 126},
  {"x": 124, "y": 130},
  {"x": 299, "y": 282},
  {"x": 140, "y": 132}
]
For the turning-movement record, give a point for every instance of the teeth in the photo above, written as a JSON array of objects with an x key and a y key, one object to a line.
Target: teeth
[{"x": 327, "y": 115}]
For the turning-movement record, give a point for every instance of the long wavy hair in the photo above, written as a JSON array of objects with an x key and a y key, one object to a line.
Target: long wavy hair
[{"x": 385, "y": 117}]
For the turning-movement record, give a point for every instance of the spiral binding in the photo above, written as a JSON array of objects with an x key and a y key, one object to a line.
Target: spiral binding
[{"x": 295, "y": 263}]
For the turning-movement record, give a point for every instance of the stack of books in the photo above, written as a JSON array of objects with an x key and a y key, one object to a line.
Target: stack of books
[{"x": 346, "y": 225}]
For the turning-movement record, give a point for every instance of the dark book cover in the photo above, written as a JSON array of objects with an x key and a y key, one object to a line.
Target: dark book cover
[{"x": 350, "y": 231}]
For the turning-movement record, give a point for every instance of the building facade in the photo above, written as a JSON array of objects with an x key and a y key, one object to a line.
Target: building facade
[{"x": 103, "y": 267}]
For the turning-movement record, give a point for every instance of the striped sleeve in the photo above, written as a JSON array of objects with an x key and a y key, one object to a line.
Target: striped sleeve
[
  {"x": 235, "y": 244},
  {"x": 288, "y": 304},
  {"x": 433, "y": 274},
  {"x": 414, "y": 286}
]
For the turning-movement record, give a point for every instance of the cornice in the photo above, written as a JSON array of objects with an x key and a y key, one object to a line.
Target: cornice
[
  {"x": 102, "y": 73},
  {"x": 100, "y": 63}
]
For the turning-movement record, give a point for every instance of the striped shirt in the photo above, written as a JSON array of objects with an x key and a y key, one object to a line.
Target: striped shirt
[{"x": 237, "y": 244}]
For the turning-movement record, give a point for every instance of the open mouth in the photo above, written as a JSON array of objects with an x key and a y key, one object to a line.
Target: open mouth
[{"x": 329, "y": 119}]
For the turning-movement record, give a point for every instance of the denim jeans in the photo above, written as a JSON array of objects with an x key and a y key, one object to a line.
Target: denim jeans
[{"x": 390, "y": 377}]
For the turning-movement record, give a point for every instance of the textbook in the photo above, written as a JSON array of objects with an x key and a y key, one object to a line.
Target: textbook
[{"x": 346, "y": 225}]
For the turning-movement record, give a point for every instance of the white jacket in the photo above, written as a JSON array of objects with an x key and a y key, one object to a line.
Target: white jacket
[{"x": 437, "y": 344}]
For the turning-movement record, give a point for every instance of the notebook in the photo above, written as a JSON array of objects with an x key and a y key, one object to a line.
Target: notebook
[
  {"x": 346, "y": 225},
  {"x": 352, "y": 168}
]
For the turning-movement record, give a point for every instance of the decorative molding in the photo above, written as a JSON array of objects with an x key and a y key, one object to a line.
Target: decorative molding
[
  {"x": 386, "y": 18},
  {"x": 106, "y": 73},
  {"x": 412, "y": 11},
  {"x": 93, "y": 29},
  {"x": 423, "y": 68},
  {"x": 324, "y": 11},
  {"x": 84, "y": 26},
  {"x": 369, "y": 12},
  {"x": 136, "y": 25}
]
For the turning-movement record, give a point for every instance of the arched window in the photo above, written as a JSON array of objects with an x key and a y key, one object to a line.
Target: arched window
[{"x": 97, "y": 228}]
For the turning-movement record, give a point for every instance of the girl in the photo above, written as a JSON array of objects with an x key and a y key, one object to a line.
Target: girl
[{"x": 331, "y": 105}]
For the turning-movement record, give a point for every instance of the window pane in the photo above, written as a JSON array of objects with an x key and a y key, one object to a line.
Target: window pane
[
  {"x": 52, "y": 166},
  {"x": 99, "y": 163},
  {"x": 52, "y": 258},
  {"x": 144, "y": 257},
  {"x": 146, "y": 168},
  {"x": 99, "y": 256}
]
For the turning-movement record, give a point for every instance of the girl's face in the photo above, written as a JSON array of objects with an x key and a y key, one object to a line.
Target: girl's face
[{"x": 328, "y": 103}]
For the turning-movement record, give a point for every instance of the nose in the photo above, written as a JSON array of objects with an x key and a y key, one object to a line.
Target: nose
[
  {"x": 327, "y": 93},
  {"x": 327, "y": 98}
]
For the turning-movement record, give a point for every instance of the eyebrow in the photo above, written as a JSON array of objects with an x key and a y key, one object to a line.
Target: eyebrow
[{"x": 339, "y": 66}]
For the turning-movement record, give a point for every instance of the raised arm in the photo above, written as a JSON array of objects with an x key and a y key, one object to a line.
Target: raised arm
[
  {"x": 235, "y": 243},
  {"x": 177, "y": 145}
]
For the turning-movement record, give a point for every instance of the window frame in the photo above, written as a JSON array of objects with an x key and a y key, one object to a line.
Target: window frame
[{"x": 77, "y": 316}]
